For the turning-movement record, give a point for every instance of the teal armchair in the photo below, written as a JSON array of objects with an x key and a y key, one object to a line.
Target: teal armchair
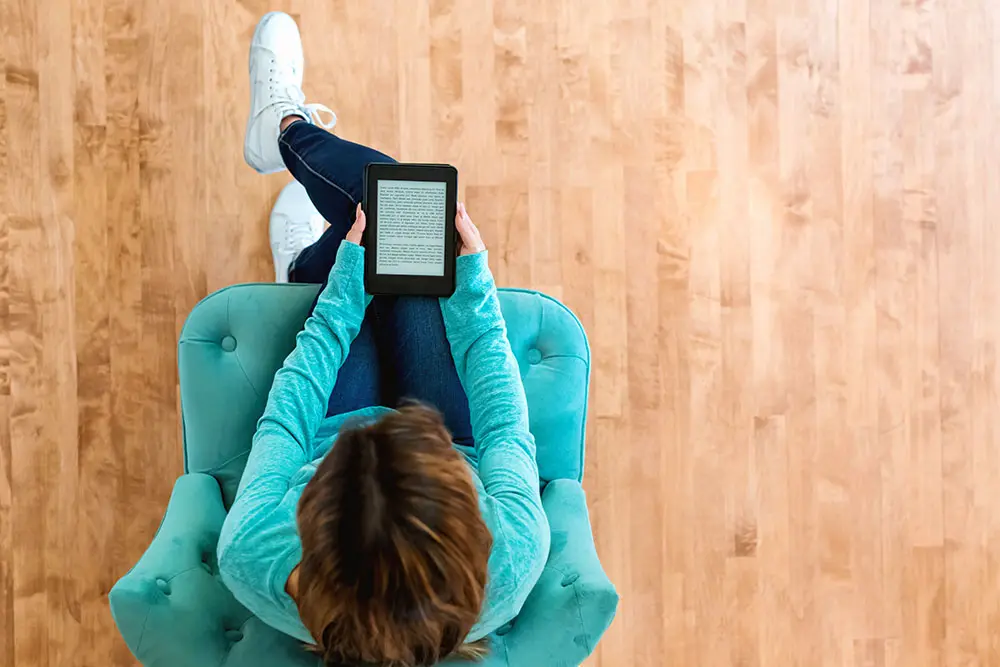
[{"x": 172, "y": 608}]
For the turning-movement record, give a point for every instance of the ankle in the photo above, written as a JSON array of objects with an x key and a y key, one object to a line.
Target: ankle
[{"x": 288, "y": 120}]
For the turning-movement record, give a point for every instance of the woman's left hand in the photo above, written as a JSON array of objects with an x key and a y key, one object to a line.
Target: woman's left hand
[{"x": 356, "y": 233}]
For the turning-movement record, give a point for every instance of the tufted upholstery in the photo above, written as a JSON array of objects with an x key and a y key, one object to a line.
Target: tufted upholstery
[{"x": 173, "y": 610}]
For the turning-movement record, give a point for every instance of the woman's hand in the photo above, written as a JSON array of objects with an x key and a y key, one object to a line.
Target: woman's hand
[
  {"x": 356, "y": 233},
  {"x": 470, "y": 241}
]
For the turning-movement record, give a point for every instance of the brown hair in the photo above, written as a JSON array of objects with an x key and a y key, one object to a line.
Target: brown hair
[{"x": 394, "y": 549}]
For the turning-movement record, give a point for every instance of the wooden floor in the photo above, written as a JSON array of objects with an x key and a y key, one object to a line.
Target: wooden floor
[{"x": 778, "y": 220}]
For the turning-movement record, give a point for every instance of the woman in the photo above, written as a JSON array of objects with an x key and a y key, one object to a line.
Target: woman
[{"x": 386, "y": 537}]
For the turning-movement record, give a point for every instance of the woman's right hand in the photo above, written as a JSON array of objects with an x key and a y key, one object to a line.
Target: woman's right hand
[{"x": 471, "y": 242}]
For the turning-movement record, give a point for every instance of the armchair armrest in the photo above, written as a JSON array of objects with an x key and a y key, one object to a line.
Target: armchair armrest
[
  {"x": 184, "y": 542},
  {"x": 574, "y": 602},
  {"x": 172, "y": 608}
]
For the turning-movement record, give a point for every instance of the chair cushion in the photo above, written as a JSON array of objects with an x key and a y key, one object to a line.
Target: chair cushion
[{"x": 236, "y": 339}]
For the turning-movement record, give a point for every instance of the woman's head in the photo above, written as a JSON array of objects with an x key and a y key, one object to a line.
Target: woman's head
[{"x": 394, "y": 549}]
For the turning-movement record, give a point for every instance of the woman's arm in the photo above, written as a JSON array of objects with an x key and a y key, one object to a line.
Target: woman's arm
[
  {"x": 504, "y": 445},
  {"x": 296, "y": 403},
  {"x": 257, "y": 545},
  {"x": 489, "y": 373},
  {"x": 301, "y": 390}
]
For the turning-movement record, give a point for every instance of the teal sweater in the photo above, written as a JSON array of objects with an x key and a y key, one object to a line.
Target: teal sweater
[{"x": 259, "y": 545}]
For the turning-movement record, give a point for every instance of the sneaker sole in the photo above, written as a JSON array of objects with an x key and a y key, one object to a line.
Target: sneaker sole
[
  {"x": 246, "y": 158},
  {"x": 280, "y": 274}
]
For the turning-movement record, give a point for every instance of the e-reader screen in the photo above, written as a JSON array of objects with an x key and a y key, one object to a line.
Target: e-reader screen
[
  {"x": 411, "y": 228},
  {"x": 410, "y": 242}
]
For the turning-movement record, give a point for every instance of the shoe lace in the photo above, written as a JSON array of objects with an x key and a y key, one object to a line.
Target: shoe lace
[
  {"x": 299, "y": 234},
  {"x": 297, "y": 97}
]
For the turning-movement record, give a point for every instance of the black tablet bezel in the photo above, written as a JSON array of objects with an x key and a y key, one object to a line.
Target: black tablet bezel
[{"x": 393, "y": 284}]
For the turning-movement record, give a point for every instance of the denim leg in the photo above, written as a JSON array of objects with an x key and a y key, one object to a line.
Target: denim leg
[
  {"x": 333, "y": 173},
  {"x": 358, "y": 382},
  {"x": 413, "y": 345}
]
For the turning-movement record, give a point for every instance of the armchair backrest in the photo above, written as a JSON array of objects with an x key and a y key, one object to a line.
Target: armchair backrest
[{"x": 236, "y": 339}]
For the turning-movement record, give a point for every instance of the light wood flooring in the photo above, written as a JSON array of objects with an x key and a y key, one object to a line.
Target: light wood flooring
[{"x": 777, "y": 219}]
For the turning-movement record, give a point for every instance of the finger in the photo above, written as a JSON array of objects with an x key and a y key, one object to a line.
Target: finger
[
  {"x": 356, "y": 233},
  {"x": 461, "y": 221},
  {"x": 470, "y": 228},
  {"x": 464, "y": 234},
  {"x": 360, "y": 220},
  {"x": 466, "y": 230},
  {"x": 471, "y": 240},
  {"x": 463, "y": 215}
]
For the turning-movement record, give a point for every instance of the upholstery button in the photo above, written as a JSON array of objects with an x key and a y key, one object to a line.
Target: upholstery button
[
  {"x": 570, "y": 579},
  {"x": 206, "y": 562},
  {"x": 504, "y": 629},
  {"x": 163, "y": 585},
  {"x": 534, "y": 356},
  {"x": 234, "y": 636},
  {"x": 228, "y": 343}
]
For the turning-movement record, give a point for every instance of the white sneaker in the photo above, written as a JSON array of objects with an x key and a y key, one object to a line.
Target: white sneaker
[
  {"x": 276, "y": 65},
  {"x": 295, "y": 225}
]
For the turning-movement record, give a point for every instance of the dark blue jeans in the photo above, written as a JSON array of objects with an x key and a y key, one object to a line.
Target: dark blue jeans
[{"x": 401, "y": 351}]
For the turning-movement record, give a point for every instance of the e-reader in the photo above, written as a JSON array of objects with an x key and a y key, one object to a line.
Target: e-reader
[{"x": 410, "y": 235}]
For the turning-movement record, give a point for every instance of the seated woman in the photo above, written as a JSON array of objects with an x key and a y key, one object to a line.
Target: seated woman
[{"x": 388, "y": 537}]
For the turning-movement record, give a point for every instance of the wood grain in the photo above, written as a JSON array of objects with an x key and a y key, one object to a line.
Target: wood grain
[{"x": 776, "y": 219}]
